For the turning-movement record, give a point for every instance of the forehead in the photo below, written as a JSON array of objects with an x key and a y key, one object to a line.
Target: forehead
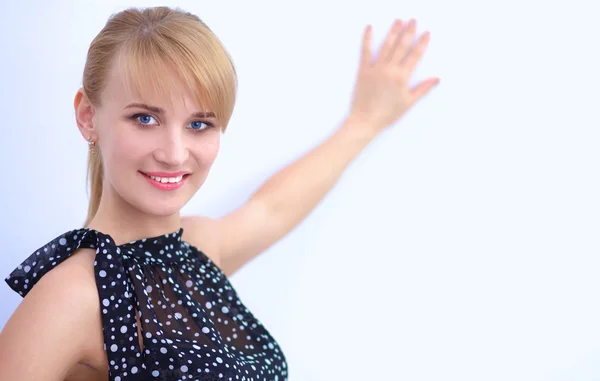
[{"x": 152, "y": 85}]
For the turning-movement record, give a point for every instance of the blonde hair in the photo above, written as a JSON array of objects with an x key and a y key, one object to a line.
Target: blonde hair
[{"x": 145, "y": 43}]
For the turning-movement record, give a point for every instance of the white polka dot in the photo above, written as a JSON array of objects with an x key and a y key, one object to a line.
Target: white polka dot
[
  {"x": 225, "y": 309},
  {"x": 155, "y": 373},
  {"x": 106, "y": 302},
  {"x": 134, "y": 370},
  {"x": 163, "y": 350},
  {"x": 189, "y": 283},
  {"x": 123, "y": 329},
  {"x": 205, "y": 330},
  {"x": 102, "y": 273},
  {"x": 62, "y": 241},
  {"x": 114, "y": 348},
  {"x": 184, "y": 368},
  {"x": 208, "y": 305}
]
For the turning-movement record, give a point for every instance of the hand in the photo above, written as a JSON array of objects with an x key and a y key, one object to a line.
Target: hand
[{"x": 382, "y": 94}]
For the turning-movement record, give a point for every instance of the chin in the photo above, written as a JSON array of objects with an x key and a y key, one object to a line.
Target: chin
[
  {"x": 160, "y": 205},
  {"x": 162, "y": 209}
]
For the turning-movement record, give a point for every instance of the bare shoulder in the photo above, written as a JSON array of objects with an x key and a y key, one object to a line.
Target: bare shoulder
[
  {"x": 46, "y": 335},
  {"x": 203, "y": 233}
]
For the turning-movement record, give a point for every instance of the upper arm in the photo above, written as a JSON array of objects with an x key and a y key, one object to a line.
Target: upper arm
[{"x": 45, "y": 336}]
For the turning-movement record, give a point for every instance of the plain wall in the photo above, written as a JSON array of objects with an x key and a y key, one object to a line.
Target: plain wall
[{"x": 461, "y": 245}]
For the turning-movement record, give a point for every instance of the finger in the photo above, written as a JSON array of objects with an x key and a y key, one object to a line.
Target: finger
[
  {"x": 388, "y": 44},
  {"x": 404, "y": 42},
  {"x": 409, "y": 63},
  {"x": 420, "y": 90},
  {"x": 366, "y": 51}
]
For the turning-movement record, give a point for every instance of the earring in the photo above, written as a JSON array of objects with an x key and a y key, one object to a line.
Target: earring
[{"x": 91, "y": 145}]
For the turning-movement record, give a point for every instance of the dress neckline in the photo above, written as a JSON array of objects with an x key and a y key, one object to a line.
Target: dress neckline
[{"x": 172, "y": 238}]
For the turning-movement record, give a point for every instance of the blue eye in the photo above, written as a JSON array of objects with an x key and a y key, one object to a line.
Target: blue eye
[
  {"x": 199, "y": 125},
  {"x": 143, "y": 118}
]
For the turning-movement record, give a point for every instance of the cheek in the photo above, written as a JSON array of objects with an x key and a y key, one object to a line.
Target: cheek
[
  {"x": 122, "y": 150},
  {"x": 206, "y": 151}
]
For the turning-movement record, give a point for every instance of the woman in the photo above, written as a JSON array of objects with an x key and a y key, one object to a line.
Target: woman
[{"x": 140, "y": 292}]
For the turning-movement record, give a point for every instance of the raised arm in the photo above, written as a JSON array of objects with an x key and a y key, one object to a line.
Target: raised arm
[
  {"x": 46, "y": 335},
  {"x": 381, "y": 96}
]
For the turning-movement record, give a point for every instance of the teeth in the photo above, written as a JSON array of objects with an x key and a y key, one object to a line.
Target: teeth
[{"x": 167, "y": 179}]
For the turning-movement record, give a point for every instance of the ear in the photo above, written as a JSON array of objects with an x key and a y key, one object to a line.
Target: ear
[{"x": 84, "y": 114}]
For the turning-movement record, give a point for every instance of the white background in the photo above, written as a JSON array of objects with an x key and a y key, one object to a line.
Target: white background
[{"x": 461, "y": 245}]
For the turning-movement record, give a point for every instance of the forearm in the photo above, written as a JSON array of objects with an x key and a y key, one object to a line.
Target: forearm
[{"x": 293, "y": 192}]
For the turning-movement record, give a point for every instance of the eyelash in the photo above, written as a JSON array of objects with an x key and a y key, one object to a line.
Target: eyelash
[{"x": 136, "y": 116}]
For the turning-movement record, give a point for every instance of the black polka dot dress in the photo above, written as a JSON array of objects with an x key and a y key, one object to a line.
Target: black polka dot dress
[{"x": 193, "y": 324}]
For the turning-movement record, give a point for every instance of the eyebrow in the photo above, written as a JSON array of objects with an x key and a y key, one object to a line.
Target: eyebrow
[{"x": 158, "y": 110}]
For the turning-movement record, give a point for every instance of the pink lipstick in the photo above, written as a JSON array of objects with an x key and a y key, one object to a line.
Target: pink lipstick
[{"x": 166, "y": 180}]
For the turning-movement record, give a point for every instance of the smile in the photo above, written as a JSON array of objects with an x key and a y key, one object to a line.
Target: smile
[
  {"x": 166, "y": 179},
  {"x": 166, "y": 182}
]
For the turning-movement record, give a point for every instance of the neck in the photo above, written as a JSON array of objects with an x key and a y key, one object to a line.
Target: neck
[{"x": 126, "y": 223}]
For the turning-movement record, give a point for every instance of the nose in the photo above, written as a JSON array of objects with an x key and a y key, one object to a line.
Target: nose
[{"x": 171, "y": 148}]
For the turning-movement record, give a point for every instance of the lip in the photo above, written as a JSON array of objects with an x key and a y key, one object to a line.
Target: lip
[
  {"x": 165, "y": 174},
  {"x": 166, "y": 186}
]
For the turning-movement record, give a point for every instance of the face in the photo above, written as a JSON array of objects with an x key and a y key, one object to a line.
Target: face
[{"x": 157, "y": 151}]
